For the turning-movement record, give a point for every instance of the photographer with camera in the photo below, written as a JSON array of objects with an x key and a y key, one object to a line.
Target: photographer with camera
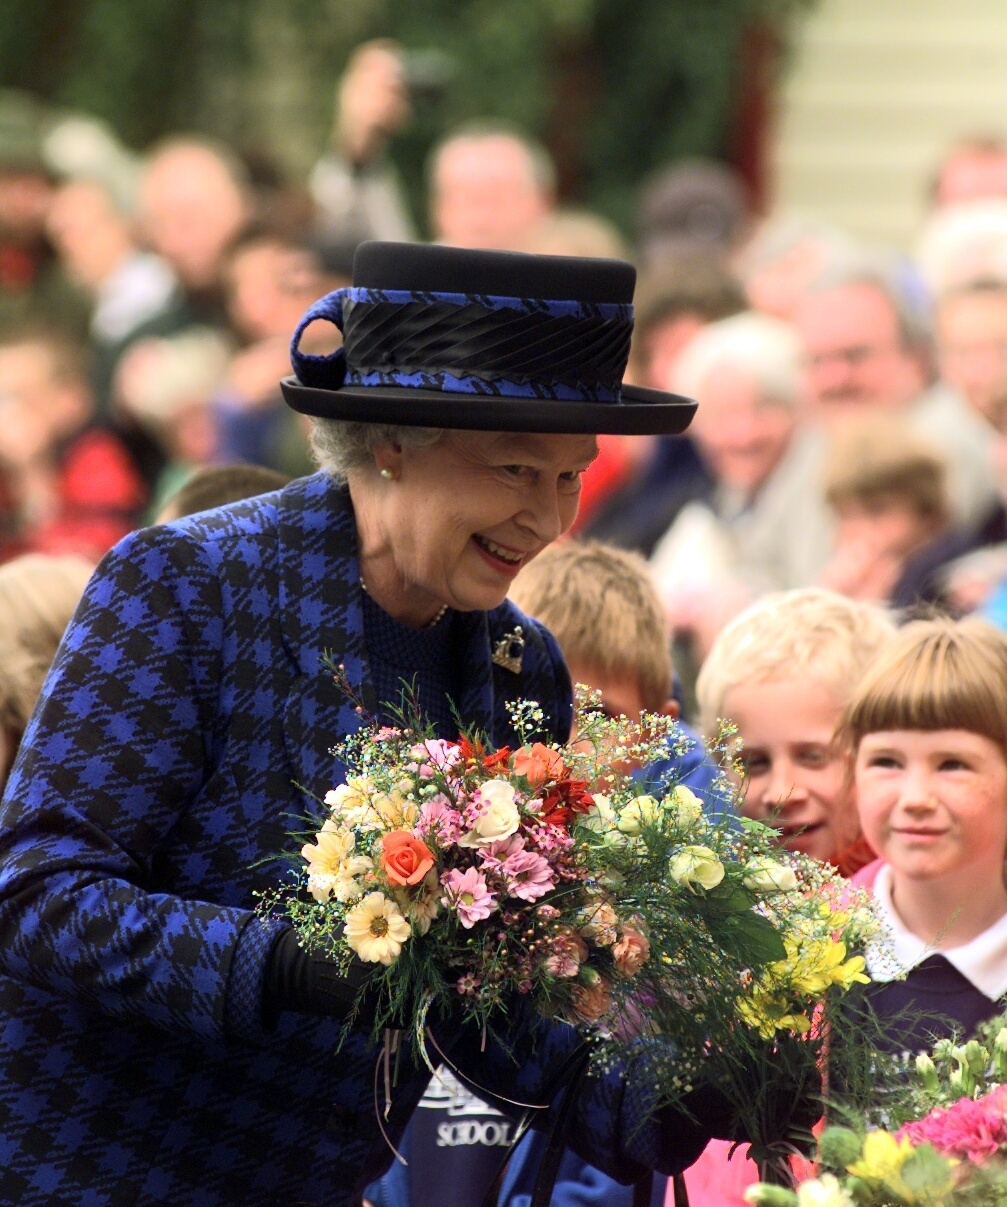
[{"x": 354, "y": 184}]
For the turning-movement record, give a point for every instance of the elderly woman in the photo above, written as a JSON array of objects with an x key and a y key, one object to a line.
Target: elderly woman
[{"x": 162, "y": 1042}]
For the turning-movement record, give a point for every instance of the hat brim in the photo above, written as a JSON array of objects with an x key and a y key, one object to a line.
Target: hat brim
[{"x": 641, "y": 412}]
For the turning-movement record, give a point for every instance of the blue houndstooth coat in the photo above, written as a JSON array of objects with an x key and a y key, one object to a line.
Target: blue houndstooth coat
[{"x": 157, "y": 773}]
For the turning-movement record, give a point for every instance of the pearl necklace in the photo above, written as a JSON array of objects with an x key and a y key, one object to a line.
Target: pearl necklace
[{"x": 430, "y": 625}]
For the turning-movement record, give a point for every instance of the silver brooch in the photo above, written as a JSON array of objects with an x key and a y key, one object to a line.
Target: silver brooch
[{"x": 509, "y": 651}]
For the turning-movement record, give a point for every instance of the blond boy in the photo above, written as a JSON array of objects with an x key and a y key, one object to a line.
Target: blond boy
[
  {"x": 601, "y": 605},
  {"x": 782, "y": 672}
]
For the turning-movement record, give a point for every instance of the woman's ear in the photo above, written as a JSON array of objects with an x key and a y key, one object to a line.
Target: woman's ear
[
  {"x": 670, "y": 708},
  {"x": 388, "y": 460}
]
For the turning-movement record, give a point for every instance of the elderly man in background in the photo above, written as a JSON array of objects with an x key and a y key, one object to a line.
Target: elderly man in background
[
  {"x": 659, "y": 475},
  {"x": 757, "y": 531},
  {"x": 490, "y": 188},
  {"x": 869, "y": 347}
]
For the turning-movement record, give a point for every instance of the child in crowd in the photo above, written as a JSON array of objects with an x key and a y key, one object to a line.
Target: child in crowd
[
  {"x": 214, "y": 485},
  {"x": 928, "y": 730},
  {"x": 601, "y": 606},
  {"x": 887, "y": 491},
  {"x": 38, "y": 596},
  {"x": 783, "y": 671}
]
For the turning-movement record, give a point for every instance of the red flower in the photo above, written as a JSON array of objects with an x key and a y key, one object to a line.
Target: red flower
[
  {"x": 476, "y": 752},
  {"x": 563, "y": 800}
]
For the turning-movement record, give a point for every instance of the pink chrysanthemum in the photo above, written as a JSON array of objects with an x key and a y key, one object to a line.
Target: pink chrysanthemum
[
  {"x": 467, "y": 894},
  {"x": 528, "y": 875},
  {"x": 974, "y": 1131},
  {"x": 495, "y": 854}
]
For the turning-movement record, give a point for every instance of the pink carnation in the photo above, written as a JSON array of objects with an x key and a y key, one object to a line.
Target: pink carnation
[
  {"x": 528, "y": 875},
  {"x": 467, "y": 894},
  {"x": 971, "y": 1130}
]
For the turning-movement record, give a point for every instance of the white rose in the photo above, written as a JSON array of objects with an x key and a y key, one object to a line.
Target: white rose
[
  {"x": 768, "y": 876},
  {"x": 684, "y": 806},
  {"x": 641, "y": 811},
  {"x": 696, "y": 865},
  {"x": 500, "y": 818}
]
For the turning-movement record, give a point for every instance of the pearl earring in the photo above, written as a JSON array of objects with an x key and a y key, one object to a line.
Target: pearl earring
[{"x": 387, "y": 474}]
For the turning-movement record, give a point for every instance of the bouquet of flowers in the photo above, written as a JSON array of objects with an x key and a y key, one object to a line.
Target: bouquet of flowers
[
  {"x": 473, "y": 878},
  {"x": 945, "y": 1143}
]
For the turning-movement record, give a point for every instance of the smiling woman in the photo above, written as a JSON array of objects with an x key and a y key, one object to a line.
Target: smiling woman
[
  {"x": 453, "y": 523},
  {"x": 188, "y": 726}
]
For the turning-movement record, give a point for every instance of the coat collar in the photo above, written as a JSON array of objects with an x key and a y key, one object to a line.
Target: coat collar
[{"x": 320, "y": 614}]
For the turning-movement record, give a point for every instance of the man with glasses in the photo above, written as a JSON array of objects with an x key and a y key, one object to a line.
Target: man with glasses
[{"x": 868, "y": 346}]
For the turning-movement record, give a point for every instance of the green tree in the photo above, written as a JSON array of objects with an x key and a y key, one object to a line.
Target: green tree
[{"x": 614, "y": 87}]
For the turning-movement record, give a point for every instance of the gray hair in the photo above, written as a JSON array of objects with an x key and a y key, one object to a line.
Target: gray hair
[
  {"x": 765, "y": 349},
  {"x": 883, "y": 273},
  {"x": 341, "y": 446}
]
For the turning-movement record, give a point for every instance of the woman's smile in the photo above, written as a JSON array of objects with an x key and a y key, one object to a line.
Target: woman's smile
[{"x": 503, "y": 559}]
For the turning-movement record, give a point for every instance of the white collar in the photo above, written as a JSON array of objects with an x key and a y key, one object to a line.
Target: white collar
[{"x": 982, "y": 961}]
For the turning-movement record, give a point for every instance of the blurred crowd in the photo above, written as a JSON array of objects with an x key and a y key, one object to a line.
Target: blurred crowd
[{"x": 852, "y": 429}]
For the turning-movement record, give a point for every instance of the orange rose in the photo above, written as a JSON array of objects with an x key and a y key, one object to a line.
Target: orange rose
[
  {"x": 538, "y": 763},
  {"x": 631, "y": 952},
  {"x": 404, "y": 859}
]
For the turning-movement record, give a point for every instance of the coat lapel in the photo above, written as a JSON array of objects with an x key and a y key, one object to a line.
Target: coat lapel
[
  {"x": 320, "y": 614},
  {"x": 473, "y": 670}
]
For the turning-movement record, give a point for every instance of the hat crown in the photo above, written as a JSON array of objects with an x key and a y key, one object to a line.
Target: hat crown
[{"x": 430, "y": 268}]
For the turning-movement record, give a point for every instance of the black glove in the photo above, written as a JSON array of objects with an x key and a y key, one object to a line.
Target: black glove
[
  {"x": 297, "y": 980},
  {"x": 789, "y": 1110}
]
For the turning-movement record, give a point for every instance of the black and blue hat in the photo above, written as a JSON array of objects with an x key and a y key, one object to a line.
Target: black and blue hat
[{"x": 496, "y": 341}]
